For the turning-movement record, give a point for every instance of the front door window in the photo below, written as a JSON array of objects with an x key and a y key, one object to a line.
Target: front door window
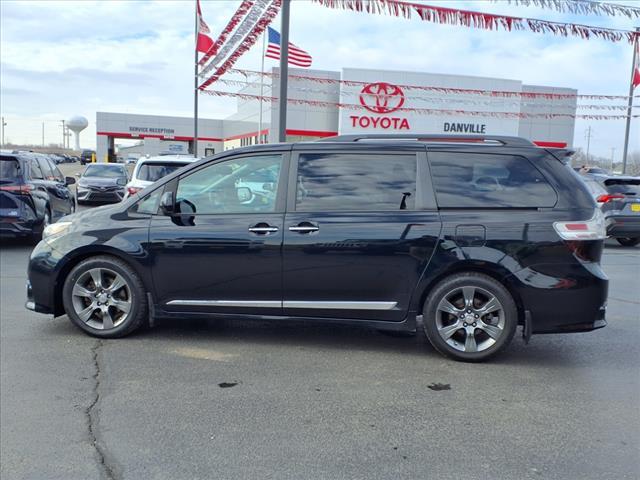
[{"x": 241, "y": 185}]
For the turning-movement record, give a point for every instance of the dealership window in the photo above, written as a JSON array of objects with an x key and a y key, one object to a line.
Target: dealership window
[
  {"x": 241, "y": 185},
  {"x": 464, "y": 180},
  {"x": 356, "y": 182}
]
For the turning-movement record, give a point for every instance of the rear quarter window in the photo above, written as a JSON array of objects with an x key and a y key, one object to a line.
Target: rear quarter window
[
  {"x": 152, "y": 172},
  {"x": 9, "y": 167},
  {"x": 470, "y": 180}
]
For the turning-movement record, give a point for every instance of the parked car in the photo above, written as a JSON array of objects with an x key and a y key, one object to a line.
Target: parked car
[
  {"x": 475, "y": 235},
  {"x": 33, "y": 194},
  {"x": 152, "y": 169},
  {"x": 585, "y": 170},
  {"x": 620, "y": 203},
  {"x": 86, "y": 156},
  {"x": 102, "y": 182}
]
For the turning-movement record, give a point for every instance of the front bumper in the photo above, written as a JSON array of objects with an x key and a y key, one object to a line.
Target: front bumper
[
  {"x": 100, "y": 195},
  {"x": 623, "y": 226}
]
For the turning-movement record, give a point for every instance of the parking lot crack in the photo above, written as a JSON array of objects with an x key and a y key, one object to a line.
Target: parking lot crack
[{"x": 107, "y": 469}]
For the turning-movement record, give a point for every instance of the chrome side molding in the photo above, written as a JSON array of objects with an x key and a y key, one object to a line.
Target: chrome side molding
[{"x": 318, "y": 305}]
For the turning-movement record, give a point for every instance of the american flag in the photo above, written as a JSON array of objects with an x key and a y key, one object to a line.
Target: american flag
[{"x": 297, "y": 56}]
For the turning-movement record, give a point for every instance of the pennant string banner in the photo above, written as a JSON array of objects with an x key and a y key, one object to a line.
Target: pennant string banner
[
  {"x": 580, "y": 7},
  {"x": 473, "y": 19},
  {"x": 240, "y": 36},
  {"x": 437, "y": 98},
  {"x": 420, "y": 111},
  {"x": 239, "y": 15},
  {"x": 447, "y": 90},
  {"x": 250, "y": 38}
]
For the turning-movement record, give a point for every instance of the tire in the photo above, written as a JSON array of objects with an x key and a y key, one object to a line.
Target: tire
[
  {"x": 491, "y": 331},
  {"x": 628, "y": 242},
  {"x": 94, "y": 310}
]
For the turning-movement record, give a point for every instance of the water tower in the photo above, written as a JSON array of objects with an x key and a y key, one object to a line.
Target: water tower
[{"x": 76, "y": 124}]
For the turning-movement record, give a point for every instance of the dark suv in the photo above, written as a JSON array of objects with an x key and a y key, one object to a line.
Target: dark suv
[
  {"x": 476, "y": 235},
  {"x": 33, "y": 194}
]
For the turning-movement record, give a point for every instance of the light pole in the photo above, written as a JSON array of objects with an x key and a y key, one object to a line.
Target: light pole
[
  {"x": 613, "y": 151},
  {"x": 588, "y": 134},
  {"x": 64, "y": 134},
  {"x": 4, "y": 124}
]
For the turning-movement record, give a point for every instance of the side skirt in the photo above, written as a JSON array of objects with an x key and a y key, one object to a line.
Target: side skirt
[{"x": 406, "y": 325}]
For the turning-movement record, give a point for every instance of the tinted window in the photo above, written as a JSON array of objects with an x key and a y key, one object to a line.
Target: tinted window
[
  {"x": 56, "y": 172},
  {"x": 46, "y": 168},
  {"x": 356, "y": 182},
  {"x": 36, "y": 171},
  {"x": 8, "y": 167},
  {"x": 150, "y": 203},
  {"x": 151, "y": 172},
  {"x": 463, "y": 180},
  {"x": 229, "y": 187}
]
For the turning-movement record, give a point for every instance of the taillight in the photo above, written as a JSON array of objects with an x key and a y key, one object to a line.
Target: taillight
[
  {"x": 17, "y": 189},
  {"x": 133, "y": 190},
  {"x": 592, "y": 229},
  {"x": 607, "y": 197}
]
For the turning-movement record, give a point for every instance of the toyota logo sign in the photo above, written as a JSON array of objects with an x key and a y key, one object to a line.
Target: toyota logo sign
[{"x": 381, "y": 97}]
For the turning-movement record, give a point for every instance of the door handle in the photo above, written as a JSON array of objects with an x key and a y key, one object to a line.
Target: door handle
[
  {"x": 304, "y": 227},
  {"x": 263, "y": 229}
]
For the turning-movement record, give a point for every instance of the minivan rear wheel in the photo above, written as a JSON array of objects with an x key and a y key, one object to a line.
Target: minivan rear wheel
[
  {"x": 470, "y": 317},
  {"x": 104, "y": 297}
]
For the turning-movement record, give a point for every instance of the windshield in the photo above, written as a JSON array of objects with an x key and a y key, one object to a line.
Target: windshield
[
  {"x": 151, "y": 172},
  {"x": 8, "y": 167},
  {"x": 108, "y": 171},
  {"x": 627, "y": 187}
]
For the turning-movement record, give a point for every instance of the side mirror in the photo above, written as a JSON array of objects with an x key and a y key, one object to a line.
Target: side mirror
[
  {"x": 121, "y": 181},
  {"x": 166, "y": 203},
  {"x": 69, "y": 180},
  {"x": 243, "y": 194}
]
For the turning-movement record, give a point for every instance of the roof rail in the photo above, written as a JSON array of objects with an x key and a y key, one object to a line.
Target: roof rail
[{"x": 484, "y": 139}]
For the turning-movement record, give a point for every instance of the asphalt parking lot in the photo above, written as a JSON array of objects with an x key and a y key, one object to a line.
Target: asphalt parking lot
[{"x": 251, "y": 400}]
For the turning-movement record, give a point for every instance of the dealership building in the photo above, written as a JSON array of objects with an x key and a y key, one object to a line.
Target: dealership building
[{"x": 326, "y": 103}]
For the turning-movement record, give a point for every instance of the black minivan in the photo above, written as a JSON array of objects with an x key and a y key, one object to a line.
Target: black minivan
[{"x": 475, "y": 235}]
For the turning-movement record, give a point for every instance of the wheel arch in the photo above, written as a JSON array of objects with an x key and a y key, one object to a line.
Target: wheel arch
[
  {"x": 495, "y": 271},
  {"x": 104, "y": 251}
]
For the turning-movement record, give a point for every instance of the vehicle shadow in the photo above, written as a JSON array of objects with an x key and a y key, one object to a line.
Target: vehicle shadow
[{"x": 548, "y": 351}]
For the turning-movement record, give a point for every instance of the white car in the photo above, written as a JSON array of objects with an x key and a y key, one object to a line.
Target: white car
[{"x": 152, "y": 169}]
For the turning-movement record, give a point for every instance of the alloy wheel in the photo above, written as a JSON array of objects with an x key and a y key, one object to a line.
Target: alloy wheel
[
  {"x": 101, "y": 298},
  {"x": 470, "y": 319}
]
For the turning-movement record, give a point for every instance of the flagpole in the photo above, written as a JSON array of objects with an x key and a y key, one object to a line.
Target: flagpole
[
  {"x": 195, "y": 90},
  {"x": 630, "y": 107},
  {"x": 284, "y": 71},
  {"x": 264, "y": 36}
]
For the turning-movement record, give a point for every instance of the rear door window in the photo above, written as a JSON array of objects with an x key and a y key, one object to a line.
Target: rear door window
[
  {"x": 36, "y": 171},
  {"x": 470, "y": 180},
  {"x": 46, "y": 169},
  {"x": 355, "y": 182}
]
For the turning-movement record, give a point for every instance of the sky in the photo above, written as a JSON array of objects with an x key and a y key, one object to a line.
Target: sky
[{"x": 65, "y": 58}]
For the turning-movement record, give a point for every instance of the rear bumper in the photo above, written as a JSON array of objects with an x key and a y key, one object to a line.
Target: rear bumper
[
  {"x": 18, "y": 228},
  {"x": 623, "y": 226},
  {"x": 563, "y": 298}
]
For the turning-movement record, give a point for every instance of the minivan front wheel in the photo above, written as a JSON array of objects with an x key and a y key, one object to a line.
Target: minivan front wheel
[
  {"x": 104, "y": 297},
  {"x": 470, "y": 317}
]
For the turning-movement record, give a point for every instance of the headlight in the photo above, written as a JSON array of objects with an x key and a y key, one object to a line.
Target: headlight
[{"x": 55, "y": 229}]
